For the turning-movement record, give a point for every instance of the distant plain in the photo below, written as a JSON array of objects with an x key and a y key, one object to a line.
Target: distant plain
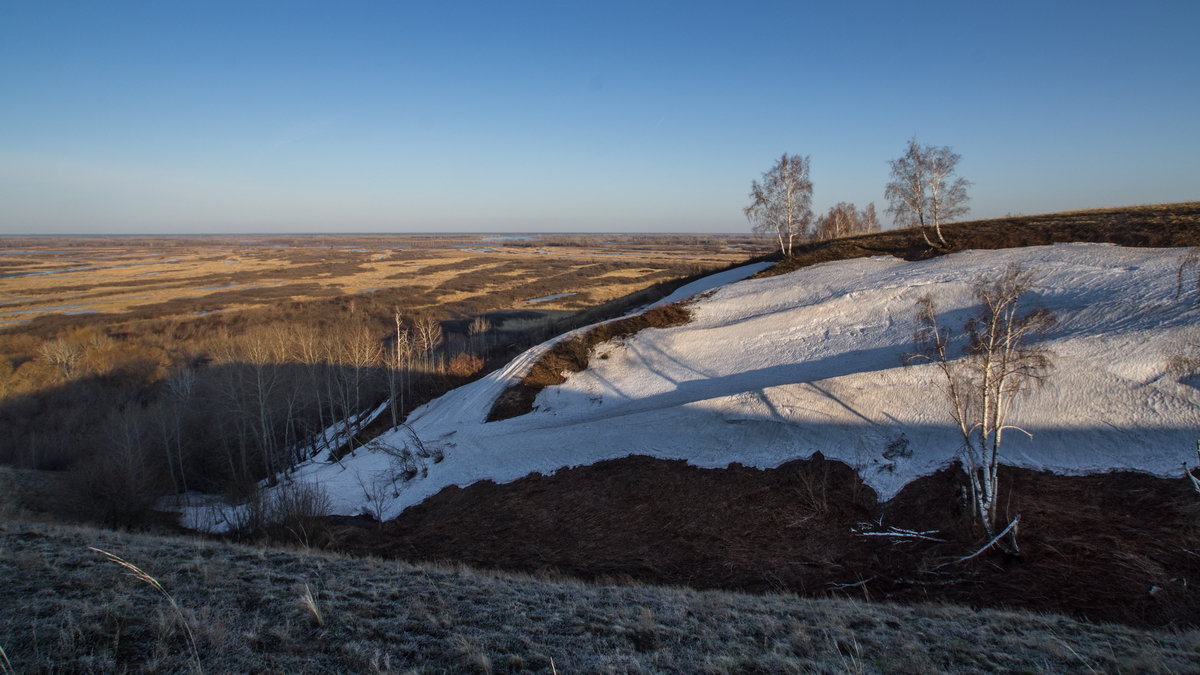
[{"x": 148, "y": 277}]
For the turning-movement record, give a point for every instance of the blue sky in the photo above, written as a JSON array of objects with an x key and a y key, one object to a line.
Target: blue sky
[{"x": 181, "y": 117}]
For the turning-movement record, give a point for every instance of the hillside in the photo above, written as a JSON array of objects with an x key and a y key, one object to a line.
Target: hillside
[
  {"x": 745, "y": 448},
  {"x": 1152, "y": 225},
  {"x": 67, "y": 607},
  {"x": 775, "y": 369}
]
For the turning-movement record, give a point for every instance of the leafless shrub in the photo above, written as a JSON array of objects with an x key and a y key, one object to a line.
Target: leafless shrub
[
  {"x": 118, "y": 486},
  {"x": 464, "y": 365},
  {"x": 64, "y": 353},
  {"x": 408, "y": 459},
  {"x": 290, "y": 508}
]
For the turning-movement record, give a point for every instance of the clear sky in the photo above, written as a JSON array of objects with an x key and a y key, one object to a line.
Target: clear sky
[{"x": 208, "y": 116}]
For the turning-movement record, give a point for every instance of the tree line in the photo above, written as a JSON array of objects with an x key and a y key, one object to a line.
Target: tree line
[{"x": 924, "y": 192}]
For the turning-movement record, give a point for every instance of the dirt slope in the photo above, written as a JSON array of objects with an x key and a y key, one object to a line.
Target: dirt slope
[{"x": 1114, "y": 547}]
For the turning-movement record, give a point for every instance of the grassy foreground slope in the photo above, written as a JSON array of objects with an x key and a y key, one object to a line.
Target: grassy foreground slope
[{"x": 64, "y": 606}]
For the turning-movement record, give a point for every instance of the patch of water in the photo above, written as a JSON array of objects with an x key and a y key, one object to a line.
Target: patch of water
[
  {"x": 548, "y": 298},
  {"x": 65, "y": 309},
  {"x": 87, "y": 268}
]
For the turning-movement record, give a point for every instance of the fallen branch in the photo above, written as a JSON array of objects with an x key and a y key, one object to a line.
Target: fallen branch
[
  {"x": 853, "y": 585},
  {"x": 944, "y": 582},
  {"x": 899, "y": 533},
  {"x": 985, "y": 546}
]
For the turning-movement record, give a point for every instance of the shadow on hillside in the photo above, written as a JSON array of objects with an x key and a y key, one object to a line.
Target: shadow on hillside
[
  {"x": 1108, "y": 547},
  {"x": 708, "y": 386},
  {"x": 120, "y": 441}
]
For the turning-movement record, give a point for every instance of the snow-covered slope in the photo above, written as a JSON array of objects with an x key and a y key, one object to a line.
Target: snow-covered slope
[{"x": 776, "y": 369}]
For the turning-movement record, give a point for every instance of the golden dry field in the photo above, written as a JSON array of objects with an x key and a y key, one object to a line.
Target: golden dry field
[{"x": 147, "y": 277}]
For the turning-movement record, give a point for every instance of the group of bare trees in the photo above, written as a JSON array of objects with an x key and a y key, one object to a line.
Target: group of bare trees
[
  {"x": 924, "y": 192},
  {"x": 998, "y": 362},
  {"x": 130, "y": 424},
  {"x": 843, "y": 219}
]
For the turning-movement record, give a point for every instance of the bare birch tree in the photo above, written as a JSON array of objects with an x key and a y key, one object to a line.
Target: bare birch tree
[
  {"x": 478, "y": 332},
  {"x": 924, "y": 191},
  {"x": 398, "y": 360},
  {"x": 427, "y": 336},
  {"x": 180, "y": 386},
  {"x": 781, "y": 205},
  {"x": 997, "y": 364}
]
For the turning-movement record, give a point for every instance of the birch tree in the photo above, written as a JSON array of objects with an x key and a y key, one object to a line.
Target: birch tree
[
  {"x": 997, "y": 365},
  {"x": 398, "y": 360},
  {"x": 781, "y": 205},
  {"x": 427, "y": 337},
  {"x": 924, "y": 192}
]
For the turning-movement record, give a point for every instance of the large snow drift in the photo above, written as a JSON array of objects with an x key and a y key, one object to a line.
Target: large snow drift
[{"x": 772, "y": 370}]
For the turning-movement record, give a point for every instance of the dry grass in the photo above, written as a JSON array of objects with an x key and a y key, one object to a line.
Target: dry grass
[
  {"x": 65, "y": 607},
  {"x": 75, "y": 277}
]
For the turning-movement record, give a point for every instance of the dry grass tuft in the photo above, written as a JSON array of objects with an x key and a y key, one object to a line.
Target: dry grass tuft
[
  {"x": 139, "y": 574},
  {"x": 309, "y": 603}
]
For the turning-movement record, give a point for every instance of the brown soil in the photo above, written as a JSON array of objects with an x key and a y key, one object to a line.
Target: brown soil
[{"x": 1119, "y": 547}]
